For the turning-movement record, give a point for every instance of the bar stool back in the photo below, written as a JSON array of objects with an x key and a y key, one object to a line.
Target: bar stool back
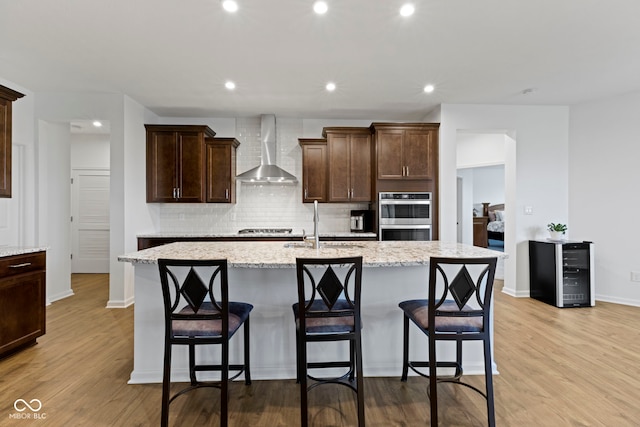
[
  {"x": 457, "y": 310},
  {"x": 328, "y": 309},
  {"x": 198, "y": 312}
]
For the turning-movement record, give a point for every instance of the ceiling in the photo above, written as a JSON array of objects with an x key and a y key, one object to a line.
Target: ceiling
[{"x": 174, "y": 56}]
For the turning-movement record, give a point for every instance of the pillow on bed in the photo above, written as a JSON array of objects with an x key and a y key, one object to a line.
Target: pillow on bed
[
  {"x": 499, "y": 215},
  {"x": 492, "y": 216}
]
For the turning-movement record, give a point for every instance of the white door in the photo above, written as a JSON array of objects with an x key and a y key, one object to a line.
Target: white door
[{"x": 90, "y": 221}]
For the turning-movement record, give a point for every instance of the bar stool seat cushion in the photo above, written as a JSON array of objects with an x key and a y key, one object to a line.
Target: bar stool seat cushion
[
  {"x": 238, "y": 313},
  {"x": 418, "y": 311},
  {"x": 330, "y": 322}
]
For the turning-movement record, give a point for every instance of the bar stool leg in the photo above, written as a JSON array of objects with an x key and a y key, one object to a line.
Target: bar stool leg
[
  {"x": 488, "y": 375},
  {"x": 166, "y": 386},
  {"x": 247, "y": 352},
  {"x": 405, "y": 350}
]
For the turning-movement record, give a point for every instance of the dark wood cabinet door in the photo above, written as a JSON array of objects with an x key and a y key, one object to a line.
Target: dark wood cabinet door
[
  {"x": 339, "y": 167},
  {"x": 314, "y": 173},
  {"x": 162, "y": 166},
  {"x": 7, "y": 96},
  {"x": 5, "y": 148},
  {"x": 221, "y": 170},
  {"x": 191, "y": 167},
  {"x": 416, "y": 151},
  {"x": 390, "y": 160},
  {"x": 176, "y": 163},
  {"x": 360, "y": 167},
  {"x": 22, "y": 300}
]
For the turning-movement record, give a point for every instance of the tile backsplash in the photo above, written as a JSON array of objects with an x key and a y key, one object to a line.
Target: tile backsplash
[{"x": 258, "y": 205}]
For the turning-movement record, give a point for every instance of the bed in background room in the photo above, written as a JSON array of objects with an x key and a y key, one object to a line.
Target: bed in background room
[{"x": 495, "y": 227}]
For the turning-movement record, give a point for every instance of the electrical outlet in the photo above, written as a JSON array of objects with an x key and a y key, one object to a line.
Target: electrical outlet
[
  {"x": 528, "y": 210},
  {"x": 635, "y": 276}
]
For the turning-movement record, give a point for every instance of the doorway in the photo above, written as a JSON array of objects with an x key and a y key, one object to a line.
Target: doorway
[{"x": 90, "y": 183}]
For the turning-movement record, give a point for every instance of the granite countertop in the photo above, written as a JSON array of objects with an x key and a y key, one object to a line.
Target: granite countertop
[
  {"x": 278, "y": 255},
  {"x": 6, "y": 251},
  {"x": 295, "y": 233}
]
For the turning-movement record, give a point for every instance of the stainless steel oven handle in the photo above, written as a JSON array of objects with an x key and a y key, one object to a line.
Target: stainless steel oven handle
[
  {"x": 405, "y": 202},
  {"x": 406, "y": 226}
]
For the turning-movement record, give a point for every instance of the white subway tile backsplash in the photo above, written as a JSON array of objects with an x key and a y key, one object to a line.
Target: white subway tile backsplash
[{"x": 257, "y": 206}]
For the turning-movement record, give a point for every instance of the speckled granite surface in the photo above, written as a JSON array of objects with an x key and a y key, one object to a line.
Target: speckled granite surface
[
  {"x": 18, "y": 250},
  {"x": 295, "y": 233},
  {"x": 278, "y": 255}
]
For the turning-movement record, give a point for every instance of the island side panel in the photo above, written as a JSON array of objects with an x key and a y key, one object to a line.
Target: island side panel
[{"x": 272, "y": 291}]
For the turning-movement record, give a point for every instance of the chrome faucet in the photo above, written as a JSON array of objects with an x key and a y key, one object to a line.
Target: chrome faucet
[{"x": 315, "y": 239}]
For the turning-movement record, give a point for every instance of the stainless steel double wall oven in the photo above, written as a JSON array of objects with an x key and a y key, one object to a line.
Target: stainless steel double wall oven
[{"x": 404, "y": 216}]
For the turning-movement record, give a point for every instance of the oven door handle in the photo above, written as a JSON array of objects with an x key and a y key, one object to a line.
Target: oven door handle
[
  {"x": 405, "y": 226},
  {"x": 404, "y": 202}
]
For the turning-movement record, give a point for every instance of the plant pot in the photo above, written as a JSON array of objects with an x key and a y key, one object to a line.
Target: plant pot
[{"x": 555, "y": 235}]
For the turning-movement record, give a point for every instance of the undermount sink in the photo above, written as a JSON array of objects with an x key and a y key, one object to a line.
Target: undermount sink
[{"x": 323, "y": 245}]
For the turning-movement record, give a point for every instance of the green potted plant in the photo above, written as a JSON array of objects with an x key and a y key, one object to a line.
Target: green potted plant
[{"x": 556, "y": 230}]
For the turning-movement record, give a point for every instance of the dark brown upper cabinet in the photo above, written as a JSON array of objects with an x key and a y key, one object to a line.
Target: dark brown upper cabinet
[
  {"x": 314, "y": 169},
  {"x": 349, "y": 164},
  {"x": 221, "y": 169},
  {"x": 406, "y": 151},
  {"x": 7, "y": 97},
  {"x": 176, "y": 163}
]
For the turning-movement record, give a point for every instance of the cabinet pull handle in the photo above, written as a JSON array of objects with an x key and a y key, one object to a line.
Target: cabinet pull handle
[
  {"x": 226, "y": 193},
  {"x": 24, "y": 264},
  {"x": 179, "y": 195},
  {"x": 305, "y": 193},
  {"x": 174, "y": 193},
  {"x": 407, "y": 170}
]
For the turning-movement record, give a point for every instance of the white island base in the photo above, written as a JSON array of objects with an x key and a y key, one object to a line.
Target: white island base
[{"x": 272, "y": 291}]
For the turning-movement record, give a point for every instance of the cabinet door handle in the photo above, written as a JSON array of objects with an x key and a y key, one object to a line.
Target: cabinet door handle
[
  {"x": 305, "y": 193},
  {"x": 24, "y": 264},
  {"x": 226, "y": 194},
  {"x": 407, "y": 170},
  {"x": 175, "y": 193},
  {"x": 179, "y": 195}
]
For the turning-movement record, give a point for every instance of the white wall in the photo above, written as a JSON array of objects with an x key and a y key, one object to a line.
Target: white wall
[
  {"x": 538, "y": 131},
  {"x": 55, "y": 207},
  {"x": 90, "y": 150},
  {"x": 604, "y": 151},
  {"x": 488, "y": 185}
]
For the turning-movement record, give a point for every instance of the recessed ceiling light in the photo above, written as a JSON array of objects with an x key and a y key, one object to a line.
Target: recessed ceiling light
[
  {"x": 230, "y": 5},
  {"x": 320, "y": 7},
  {"x": 407, "y": 10},
  {"x": 230, "y": 85},
  {"x": 330, "y": 86},
  {"x": 429, "y": 88},
  {"x": 97, "y": 124}
]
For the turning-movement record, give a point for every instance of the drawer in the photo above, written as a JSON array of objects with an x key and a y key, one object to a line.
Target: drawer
[{"x": 18, "y": 264}]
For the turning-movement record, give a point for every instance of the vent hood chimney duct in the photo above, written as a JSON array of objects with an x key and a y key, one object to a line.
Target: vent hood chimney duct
[{"x": 267, "y": 171}]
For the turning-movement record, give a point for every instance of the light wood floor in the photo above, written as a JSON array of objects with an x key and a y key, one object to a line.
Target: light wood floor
[{"x": 558, "y": 367}]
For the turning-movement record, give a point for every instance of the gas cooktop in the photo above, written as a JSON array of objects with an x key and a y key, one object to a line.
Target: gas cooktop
[{"x": 265, "y": 231}]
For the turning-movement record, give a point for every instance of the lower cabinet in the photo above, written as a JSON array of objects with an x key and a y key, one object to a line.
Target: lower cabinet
[{"x": 22, "y": 300}]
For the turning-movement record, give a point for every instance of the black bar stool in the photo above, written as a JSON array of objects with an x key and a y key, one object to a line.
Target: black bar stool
[
  {"x": 328, "y": 309},
  {"x": 457, "y": 310},
  {"x": 191, "y": 319}
]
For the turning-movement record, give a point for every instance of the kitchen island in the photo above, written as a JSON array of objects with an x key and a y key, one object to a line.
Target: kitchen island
[{"x": 263, "y": 274}]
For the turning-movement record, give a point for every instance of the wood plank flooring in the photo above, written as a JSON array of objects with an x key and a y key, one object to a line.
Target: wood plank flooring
[{"x": 558, "y": 367}]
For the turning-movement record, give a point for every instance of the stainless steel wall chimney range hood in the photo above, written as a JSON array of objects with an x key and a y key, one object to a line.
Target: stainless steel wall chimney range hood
[{"x": 267, "y": 172}]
